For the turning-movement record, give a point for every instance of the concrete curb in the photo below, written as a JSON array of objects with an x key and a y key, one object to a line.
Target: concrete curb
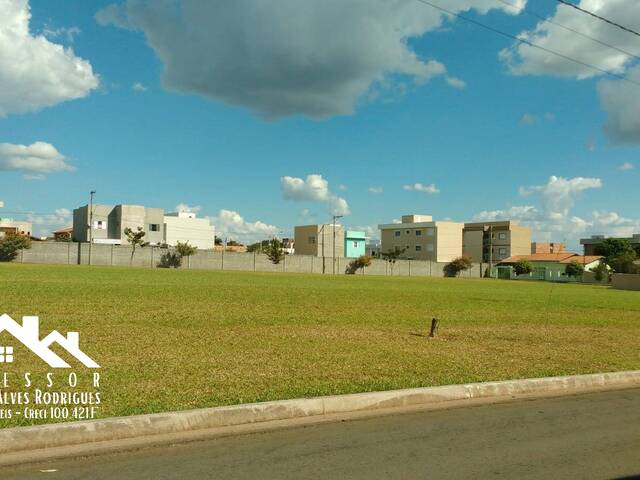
[{"x": 29, "y": 443}]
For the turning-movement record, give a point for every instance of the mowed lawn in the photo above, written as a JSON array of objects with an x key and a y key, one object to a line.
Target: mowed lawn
[{"x": 178, "y": 339}]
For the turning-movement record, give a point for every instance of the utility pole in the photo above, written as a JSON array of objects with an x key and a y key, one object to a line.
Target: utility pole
[
  {"x": 91, "y": 195},
  {"x": 334, "y": 242},
  {"x": 322, "y": 237}
]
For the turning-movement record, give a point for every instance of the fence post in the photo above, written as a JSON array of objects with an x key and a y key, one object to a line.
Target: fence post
[
  {"x": 152, "y": 249},
  {"x": 254, "y": 260},
  {"x": 111, "y": 259},
  {"x": 222, "y": 261},
  {"x": 409, "y": 267},
  {"x": 69, "y": 254},
  {"x": 284, "y": 263}
]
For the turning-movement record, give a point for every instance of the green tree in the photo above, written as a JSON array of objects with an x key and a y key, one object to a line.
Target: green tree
[
  {"x": 185, "y": 250},
  {"x": 258, "y": 246},
  {"x": 11, "y": 244},
  {"x": 619, "y": 254},
  {"x": 274, "y": 251},
  {"x": 135, "y": 238},
  {"x": 357, "y": 264},
  {"x": 574, "y": 269},
  {"x": 522, "y": 267},
  {"x": 601, "y": 271},
  {"x": 456, "y": 266}
]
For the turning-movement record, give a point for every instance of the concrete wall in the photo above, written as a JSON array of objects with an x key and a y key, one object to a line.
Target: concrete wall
[
  {"x": 71, "y": 253},
  {"x": 626, "y": 281}
]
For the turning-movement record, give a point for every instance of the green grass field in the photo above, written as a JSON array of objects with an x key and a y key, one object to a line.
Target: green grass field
[{"x": 172, "y": 340}]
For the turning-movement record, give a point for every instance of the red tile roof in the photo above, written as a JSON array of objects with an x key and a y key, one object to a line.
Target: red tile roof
[
  {"x": 584, "y": 259},
  {"x": 541, "y": 257}
]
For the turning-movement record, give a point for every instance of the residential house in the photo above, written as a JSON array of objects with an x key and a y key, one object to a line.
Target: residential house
[
  {"x": 109, "y": 222},
  {"x": 419, "y": 237},
  {"x": 547, "y": 266},
  {"x": 354, "y": 244},
  {"x": 548, "y": 247},
  {"x": 317, "y": 240},
  {"x": 185, "y": 227},
  {"x": 591, "y": 245},
  {"x": 63, "y": 234},
  {"x": 14, "y": 227},
  {"x": 492, "y": 242}
]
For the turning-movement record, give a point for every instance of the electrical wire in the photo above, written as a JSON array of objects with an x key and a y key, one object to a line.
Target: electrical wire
[
  {"x": 595, "y": 15},
  {"x": 527, "y": 42}
]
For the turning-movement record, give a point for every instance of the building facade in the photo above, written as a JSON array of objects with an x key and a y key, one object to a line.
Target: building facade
[
  {"x": 419, "y": 237},
  {"x": 591, "y": 245},
  {"x": 548, "y": 247},
  {"x": 317, "y": 240},
  {"x": 492, "y": 242},
  {"x": 108, "y": 223},
  {"x": 185, "y": 227},
  {"x": 354, "y": 244},
  {"x": 14, "y": 227}
]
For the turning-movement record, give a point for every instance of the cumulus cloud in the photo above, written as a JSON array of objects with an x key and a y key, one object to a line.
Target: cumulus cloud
[
  {"x": 290, "y": 57},
  {"x": 523, "y": 59},
  {"x": 34, "y": 160},
  {"x": 313, "y": 189},
  {"x": 44, "y": 224},
  {"x": 375, "y": 190},
  {"x": 231, "y": 224},
  {"x": 457, "y": 83},
  {"x": 138, "y": 87},
  {"x": 35, "y": 72},
  {"x": 183, "y": 207},
  {"x": 621, "y": 101},
  {"x": 419, "y": 187},
  {"x": 553, "y": 218},
  {"x": 626, "y": 166}
]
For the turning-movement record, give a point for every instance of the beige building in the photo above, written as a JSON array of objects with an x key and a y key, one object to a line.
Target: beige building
[
  {"x": 548, "y": 247},
  {"x": 317, "y": 240},
  {"x": 492, "y": 242},
  {"x": 422, "y": 238},
  {"x": 10, "y": 226}
]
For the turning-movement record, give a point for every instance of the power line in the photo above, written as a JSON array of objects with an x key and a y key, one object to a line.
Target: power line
[
  {"x": 606, "y": 20},
  {"x": 527, "y": 42},
  {"x": 577, "y": 32}
]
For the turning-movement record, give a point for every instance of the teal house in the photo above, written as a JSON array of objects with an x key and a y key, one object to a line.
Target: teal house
[{"x": 354, "y": 243}]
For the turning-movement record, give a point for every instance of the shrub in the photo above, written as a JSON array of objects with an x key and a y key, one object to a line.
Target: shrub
[
  {"x": 360, "y": 262},
  {"x": 522, "y": 267},
  {"x": 460, "y": 264},
  {"x": 170, "y": 260},
  {"x": 574, "y": 269},
  {"x": 601, "y": 271},
  {"x": 11, "y": 244},
  {"x": 185, "y": 250},
  {"x": 274, "y": 251}
]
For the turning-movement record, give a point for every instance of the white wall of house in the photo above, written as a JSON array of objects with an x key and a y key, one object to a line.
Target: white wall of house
[{"x": 185, "y": 227}]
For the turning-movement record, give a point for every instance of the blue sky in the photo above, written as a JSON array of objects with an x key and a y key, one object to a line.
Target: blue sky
[{"x": 169, "y": 143}]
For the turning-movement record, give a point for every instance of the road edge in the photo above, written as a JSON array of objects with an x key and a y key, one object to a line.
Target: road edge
[{"x": 45, "y": 442}]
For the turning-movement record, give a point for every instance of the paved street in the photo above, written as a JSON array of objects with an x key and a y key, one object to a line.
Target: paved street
[{"x": 589, "y": 436}]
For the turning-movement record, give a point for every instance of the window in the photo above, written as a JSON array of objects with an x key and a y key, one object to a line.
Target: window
[
  {"x": 154, "y": 227},
  {"x": 397, "y": 233},
  {"x": 408, "y": 232},
  {"x": 355, "y": 244},
  {"x": 502, "y": 236},
  {"x": 418, "y": 248},
  {"x": 429, "y": 247},
  {"x": 100, "y": 225},
  {"x": 6, "y": 354},
  {"x": 502, "y": 251},
  {"x": 418, "y": 233},
  {"x": 312, "y": 240}
]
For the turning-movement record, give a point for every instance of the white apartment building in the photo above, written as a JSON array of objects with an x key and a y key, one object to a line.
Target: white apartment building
[{"x": 185, "y": 227}]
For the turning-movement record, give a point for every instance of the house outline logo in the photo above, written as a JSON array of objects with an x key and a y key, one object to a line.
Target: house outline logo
[{"x": 29, "y": 335}]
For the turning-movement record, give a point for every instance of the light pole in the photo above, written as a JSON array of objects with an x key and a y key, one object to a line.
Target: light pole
[
  {"x": 91, "y": 195},
  {"x": 334, "y": 241}
]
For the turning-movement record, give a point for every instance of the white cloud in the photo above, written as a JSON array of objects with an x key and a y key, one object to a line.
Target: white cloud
[
  {"x": 343, "y": 188},
  {"x": 528, "y": 119},
  {"x": 68, "y": 33},
  {"x": 372, "y": 233},
  {"x": 313, "y": 189},
  {"x": 44, "y": 224},
  {"x": 621, "y": 101},
  {"x": 183, "y": 207},
  {"x": 375, "y": 190},
  {"x": 457, "y": 83},
  {"x": 554, "y": 219},
  {"x": 232, "y": 225},
  {"x": 35, "y": 160},
  {"x": 34, "y": 72},
  {"x": 524, "y": 59},
  {"x": 290, "y": 57},
  {"x": 138, "y": 87},
  {"x": 626, "y": 166},
  {"x": 559, "y": 194},
  {"x": 419, "y": 187}
]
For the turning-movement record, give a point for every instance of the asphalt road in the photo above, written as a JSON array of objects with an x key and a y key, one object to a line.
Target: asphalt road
[{"x": 587, "y": 436}]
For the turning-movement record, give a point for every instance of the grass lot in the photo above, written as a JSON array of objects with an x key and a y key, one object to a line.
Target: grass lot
[{"x": 171, "y": 340}]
